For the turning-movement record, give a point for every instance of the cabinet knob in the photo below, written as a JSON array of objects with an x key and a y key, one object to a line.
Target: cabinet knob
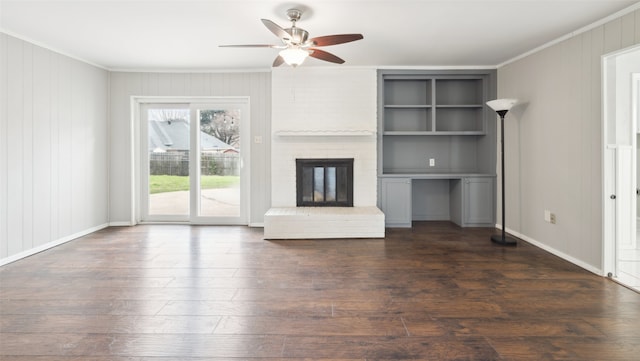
[{"x": 613, "y": 196}]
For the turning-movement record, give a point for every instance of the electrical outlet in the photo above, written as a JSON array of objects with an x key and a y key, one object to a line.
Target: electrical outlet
[
  {"x": 432, "y": 162},
  {"x": 547, "y": 216},
  {"x": 552, "y": 218}
]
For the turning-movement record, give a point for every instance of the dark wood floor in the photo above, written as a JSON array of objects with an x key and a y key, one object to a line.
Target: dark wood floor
[{"x": 435, "y": 292}]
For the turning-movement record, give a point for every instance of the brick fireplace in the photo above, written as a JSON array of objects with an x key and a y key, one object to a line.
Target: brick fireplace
[{"x": 323, "y": 113}]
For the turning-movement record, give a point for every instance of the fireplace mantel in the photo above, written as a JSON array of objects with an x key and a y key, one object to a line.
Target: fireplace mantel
[{"x": 326, "y": 133}]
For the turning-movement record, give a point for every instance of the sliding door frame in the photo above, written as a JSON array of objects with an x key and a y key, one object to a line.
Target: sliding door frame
[{"x": 139, "y": 145}]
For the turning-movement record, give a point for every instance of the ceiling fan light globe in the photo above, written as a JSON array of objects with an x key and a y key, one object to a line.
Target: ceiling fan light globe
[{"x": 294, "y": 56}]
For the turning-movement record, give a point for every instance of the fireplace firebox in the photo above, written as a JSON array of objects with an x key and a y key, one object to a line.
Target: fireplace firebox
[{"x": 324, "y": 182}]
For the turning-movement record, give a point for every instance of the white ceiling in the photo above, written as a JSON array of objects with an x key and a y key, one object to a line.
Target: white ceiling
[{"x": 183, "y": 35}]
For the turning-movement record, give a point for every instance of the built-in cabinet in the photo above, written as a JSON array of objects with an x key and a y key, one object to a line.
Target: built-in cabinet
[
  {"x": 436, "y": 146},
  {"x": 395, "y": 199}
]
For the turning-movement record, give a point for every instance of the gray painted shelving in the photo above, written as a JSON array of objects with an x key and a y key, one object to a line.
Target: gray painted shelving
[{"x": 439, "y": 117}]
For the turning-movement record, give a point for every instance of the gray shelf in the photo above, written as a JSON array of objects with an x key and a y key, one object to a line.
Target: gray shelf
[{"x": 408, "y": 106}]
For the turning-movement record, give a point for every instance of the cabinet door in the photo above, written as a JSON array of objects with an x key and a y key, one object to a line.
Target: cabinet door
[
  {"x": 478, "y": 202},
  {"x": 395, "y": 201}
]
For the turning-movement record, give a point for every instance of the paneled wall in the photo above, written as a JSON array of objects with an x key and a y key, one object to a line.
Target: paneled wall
[
  {"x": 554, "y": 141},
  {"x": 53, "y": 148},
  {"x": 126, "y": 84}
]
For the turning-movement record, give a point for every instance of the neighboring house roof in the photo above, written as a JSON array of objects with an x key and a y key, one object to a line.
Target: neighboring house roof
[{"x": 174, "y": 135}]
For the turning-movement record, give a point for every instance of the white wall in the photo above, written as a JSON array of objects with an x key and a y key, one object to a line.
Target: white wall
[
  {"x": 53, "y": 148},
  {"x": 554, "y": 141},
  {"x": 329, "y": 101},
  {"x": 124, "y": 85}
]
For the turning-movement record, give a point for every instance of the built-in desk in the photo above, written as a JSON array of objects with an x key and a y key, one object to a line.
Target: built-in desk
[{"x": 463, "y": 198}]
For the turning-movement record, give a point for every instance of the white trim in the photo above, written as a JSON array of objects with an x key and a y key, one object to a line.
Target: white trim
[
  {"x": 190, "y": 70},
  {"x": 437, "y": 67},
  {"x": 556, "y": 252},
  {"x": 583, "y": 29},
  {"x": 256, "y": 225},
  {"x": 121, "y": 224},
  {"x": 49, "y": 245},
  {"x": 269, "y": 70},
  {"x": 608, "y": 256},
  {"x": 141, "y": 99},
  {"x": 134, "y": 154}
]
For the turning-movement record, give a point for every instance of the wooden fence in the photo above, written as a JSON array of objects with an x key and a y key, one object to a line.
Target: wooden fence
[{"x": 177, "y": 163}]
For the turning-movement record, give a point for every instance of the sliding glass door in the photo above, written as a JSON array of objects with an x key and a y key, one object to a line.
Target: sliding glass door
[{"x": 192, "y": 160}]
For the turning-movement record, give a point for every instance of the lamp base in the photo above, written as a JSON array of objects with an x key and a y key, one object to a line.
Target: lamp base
[{"x": 506, "y": 241}]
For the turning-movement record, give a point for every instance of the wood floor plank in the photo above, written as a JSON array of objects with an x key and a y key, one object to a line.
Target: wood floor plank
[
  {"x": 80, "y": 307},
  {"x": 391, "y": 348},
  {"x": 540, "y": 327},
  {"x": 283, "y": 308},
  {"x": 142, "y": 345},
  {"x": 108, "y": 324},
  {"x": 194, "y": 293},
  {"x": 319, "y": 326}
]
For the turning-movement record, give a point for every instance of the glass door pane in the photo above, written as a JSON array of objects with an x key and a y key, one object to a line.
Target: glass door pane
[
  {"x": 220, "y": 161},
  {"x": 166, "y": 179}
]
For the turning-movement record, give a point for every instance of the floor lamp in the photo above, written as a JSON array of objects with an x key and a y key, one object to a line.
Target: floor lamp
[{"x": 502, "y": 106}]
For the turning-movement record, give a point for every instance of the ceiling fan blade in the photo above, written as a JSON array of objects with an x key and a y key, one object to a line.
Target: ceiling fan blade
[
  {"x": 326, "y": 56},
  {"x": 276, "y": 29},
  {"x": 278, "y": 61},
  {"x": 249, "y": 46},
  {"x": 335, "y": 39}
]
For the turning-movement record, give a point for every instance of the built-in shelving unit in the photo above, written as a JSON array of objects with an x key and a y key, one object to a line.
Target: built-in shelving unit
[{"x": 437, "y": 137}]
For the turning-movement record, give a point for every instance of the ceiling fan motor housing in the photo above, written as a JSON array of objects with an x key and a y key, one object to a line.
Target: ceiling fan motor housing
[{"x": 298, "y": 36}]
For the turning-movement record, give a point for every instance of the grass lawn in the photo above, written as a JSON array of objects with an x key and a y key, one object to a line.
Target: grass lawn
[{"x": 172, "y": 183}]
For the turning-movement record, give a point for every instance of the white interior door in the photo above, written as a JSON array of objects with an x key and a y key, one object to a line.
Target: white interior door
[
  {"x": 621, "y": 103},
  {"x": 192, "y": 160}
]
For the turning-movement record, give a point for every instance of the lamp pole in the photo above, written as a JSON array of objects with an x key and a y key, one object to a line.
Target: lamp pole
[{"x": 501, "y": 107}]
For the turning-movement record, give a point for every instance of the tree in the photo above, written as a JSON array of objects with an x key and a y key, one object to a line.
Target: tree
[{"x": 222, "y": 124}]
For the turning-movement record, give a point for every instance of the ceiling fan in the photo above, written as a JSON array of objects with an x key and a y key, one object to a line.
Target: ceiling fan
[{"x": 296, "y": 45}]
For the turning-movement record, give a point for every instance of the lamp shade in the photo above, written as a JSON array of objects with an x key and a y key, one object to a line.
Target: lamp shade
[
  {"x": 502, "y": 104},
  {"x": 294, "y": 56}
]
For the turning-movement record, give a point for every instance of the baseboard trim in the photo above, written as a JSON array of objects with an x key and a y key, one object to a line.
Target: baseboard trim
[
  {"x": 256, "y": 225},
  {"x": 121, "y": 224},
  {"x": 49, "y": 245},
  {"x": 555, "y": 252}
]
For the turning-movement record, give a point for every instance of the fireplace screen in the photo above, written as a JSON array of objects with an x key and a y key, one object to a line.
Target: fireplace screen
[{"x": 324, "y": 182}]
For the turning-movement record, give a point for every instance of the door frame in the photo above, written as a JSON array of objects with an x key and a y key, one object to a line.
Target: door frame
[
  {"x": 617, "y": 157},
  {"x": 189, "y": 102}
]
